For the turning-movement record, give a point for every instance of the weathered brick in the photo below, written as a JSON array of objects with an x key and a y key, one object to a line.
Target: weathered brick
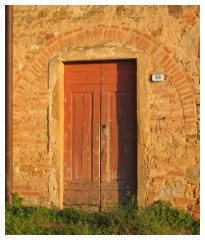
[
  {"x": 196, "y": 215},
  {"x": 125, "y": 28},
  {"x": 163, "y": 59},
  {"x": 195, "y": 208},
  {"x": 31, "y": 193},
  {"x": 20, "y": 182},
  {"x": 158, "y": 180},
  {"x": 37, "y": 184},
  {"x": 187, "y": 97},
  {"x": 188, "y": 15},
  {"x": 197, "y": 100},
  {"x": 152, "y": 195},
  {"x": 188, "y": 117},
  {"x": 78, "y": 29},
  {"x": 190, "y": 122},
  {"x": 190, "y": 21},
  {"x": 151, "y": 50},
  {"x": 145, "y": 35},
  {"x": 176, "y": 173},
  {"x": 134, "y": 39},
  {"x": 167, "y": 50},
  {"x": 114, "y": 26},
  {"x": 142, "y": 44},
  {"x": 184, "y": 201},
  {"x": 21, "y": 187},
  {"x": 34, "y": 127},
  {"x": 49, "y": 36},
  {"x": 197, "y": 10},
  {"x": 167, "y": 63}
]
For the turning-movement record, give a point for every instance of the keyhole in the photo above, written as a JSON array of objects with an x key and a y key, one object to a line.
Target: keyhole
[{"x": 103, "y": 126}]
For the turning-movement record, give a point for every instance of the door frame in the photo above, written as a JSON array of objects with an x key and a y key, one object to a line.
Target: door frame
[{"x": 56, "y": 127}]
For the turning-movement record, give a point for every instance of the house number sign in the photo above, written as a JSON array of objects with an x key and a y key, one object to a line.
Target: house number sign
[{"x": 158, "y": 77}]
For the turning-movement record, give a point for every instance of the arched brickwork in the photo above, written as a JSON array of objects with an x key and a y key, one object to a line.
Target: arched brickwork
[
  {"x": 31, "y": 95},
  {"x": 142, "y": 42}
]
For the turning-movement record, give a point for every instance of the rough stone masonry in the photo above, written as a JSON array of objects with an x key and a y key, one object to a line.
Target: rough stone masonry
[{"x": 163, "y": 39}]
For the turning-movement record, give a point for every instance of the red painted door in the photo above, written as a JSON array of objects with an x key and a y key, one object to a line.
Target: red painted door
[
  {"x": 118, "y": 138},
  {"x": 82, "y": 135},
  {"x": 100, "y": 133}
]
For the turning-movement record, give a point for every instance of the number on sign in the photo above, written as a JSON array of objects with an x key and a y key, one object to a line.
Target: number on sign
[{"x": 157, "y": 77}]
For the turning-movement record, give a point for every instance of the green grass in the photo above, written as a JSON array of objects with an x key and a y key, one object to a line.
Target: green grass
[{"x": 159, "y": 218}]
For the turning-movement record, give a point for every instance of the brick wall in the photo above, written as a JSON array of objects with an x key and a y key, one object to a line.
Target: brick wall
[{"x": 168, "y": 36}]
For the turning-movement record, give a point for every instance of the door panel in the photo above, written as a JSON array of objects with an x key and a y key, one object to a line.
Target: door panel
[
  {"x": 82, "y": 73},
  {"x": 100, "y": 133},
  {"x": 118, "y": 142},
  {"x": 118, "y": 139},
  {"x": 119, "y": 72},
  {"x": 82, "y": 146}
]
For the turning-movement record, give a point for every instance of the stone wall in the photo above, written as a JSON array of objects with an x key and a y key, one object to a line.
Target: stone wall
[{"x": 162, "y": 39}]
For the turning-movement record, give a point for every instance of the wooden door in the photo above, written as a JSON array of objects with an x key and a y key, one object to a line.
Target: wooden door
[
  {"x": 82, "y": 135},
  {"x": 118, "y": 137},
  {"x": 100, "y": 133}
]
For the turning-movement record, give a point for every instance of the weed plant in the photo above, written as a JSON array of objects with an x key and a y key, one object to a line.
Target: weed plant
[{"x": 159, "y": 218}]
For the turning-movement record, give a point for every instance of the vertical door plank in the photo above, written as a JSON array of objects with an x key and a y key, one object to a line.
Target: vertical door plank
[
  {"x": 77, "y": 135},
  {"x": 67, "y": 137},
  {"x": 87, "y": 137},
  {"x": 114, "y": 156},
  {"x": 95, "y": 173}
]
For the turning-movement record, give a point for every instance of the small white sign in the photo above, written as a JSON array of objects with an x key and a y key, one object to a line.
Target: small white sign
[{"x": 158, "y": 77}]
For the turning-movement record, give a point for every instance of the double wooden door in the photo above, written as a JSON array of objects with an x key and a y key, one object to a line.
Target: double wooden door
[{"x": 99, "y": 133}]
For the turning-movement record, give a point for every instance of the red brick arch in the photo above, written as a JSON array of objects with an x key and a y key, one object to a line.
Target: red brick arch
[{"x": 129, "y": 36}]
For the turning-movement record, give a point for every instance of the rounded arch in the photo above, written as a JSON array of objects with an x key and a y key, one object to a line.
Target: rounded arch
[{"x": 143, "y": 43}]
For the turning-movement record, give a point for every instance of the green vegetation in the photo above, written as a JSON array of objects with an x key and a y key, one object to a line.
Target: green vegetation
[{"x": 159, "y": 218}]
